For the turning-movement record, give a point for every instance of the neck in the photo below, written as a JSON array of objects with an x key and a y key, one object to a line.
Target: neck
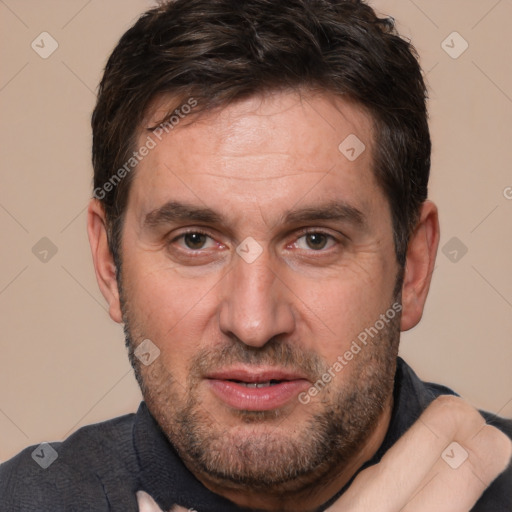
[{"x": 315, "y": 493}]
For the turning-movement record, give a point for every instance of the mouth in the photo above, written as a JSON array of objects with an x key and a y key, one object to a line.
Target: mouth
[
  {"x": 256, "y": 389},
  {"x": 258, "y": 384}
]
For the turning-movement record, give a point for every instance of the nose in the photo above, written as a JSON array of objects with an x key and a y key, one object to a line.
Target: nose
[{"x": 256, "y": 304}]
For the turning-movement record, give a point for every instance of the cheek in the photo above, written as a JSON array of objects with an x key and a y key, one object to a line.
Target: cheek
[
  {"x": 334, "y": 312},
  {"x": 172, "y": 311},
  {"x": 160, "y": 290}
]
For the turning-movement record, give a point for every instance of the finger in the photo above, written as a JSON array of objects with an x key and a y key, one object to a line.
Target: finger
[
  {"x": 490, "y": 453},
  {"x": 410, "y": 466},
  {"x": 455, "y": 483},
  {"x": 147, "y": 503},
  {"x": 391, "y": 484}
]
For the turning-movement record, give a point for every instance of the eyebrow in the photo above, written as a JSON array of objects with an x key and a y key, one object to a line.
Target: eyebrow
[
  {"x": 334, "y": 210},
  {"x": 176, "y": 211}
]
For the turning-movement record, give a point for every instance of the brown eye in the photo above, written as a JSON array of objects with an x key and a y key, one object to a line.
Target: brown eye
[
  {"x": 195, "y": 247},
  {"x": 195, "y": 240},
  {"x": 316, "y": 240}
]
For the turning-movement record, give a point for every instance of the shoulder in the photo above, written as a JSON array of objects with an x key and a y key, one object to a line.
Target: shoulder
[{"x": 75, "y": 474}]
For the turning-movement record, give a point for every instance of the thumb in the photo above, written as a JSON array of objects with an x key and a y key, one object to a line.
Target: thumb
[{"x": 148, "y": 504}]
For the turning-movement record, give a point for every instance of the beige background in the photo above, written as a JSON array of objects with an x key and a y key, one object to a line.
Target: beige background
[{"x": 62, "y": 360}]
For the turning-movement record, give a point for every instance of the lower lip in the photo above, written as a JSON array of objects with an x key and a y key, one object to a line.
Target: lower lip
[{"x": 267, "y": 398}]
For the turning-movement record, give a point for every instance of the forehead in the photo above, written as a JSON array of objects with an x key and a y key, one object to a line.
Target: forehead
[
  {"x": 274, "y": 148},
  {"x": 293, "y": 114}
]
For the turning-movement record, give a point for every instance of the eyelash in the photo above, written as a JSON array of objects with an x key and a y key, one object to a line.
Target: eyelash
[
  {"x": 302, "y": 233},
  {"x": 189, "y": 232},
  {"x": 308, "y": 231}
]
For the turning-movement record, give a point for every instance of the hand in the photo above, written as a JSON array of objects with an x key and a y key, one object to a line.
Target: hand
[
  {"x": 148, "y": 504},
  {"x": 413, "y": 477}
]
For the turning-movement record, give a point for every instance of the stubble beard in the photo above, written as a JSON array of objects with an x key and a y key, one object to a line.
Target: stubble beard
[{"x": 267, "y": 451}]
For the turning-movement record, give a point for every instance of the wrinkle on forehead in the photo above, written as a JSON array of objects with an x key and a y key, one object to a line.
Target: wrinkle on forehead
[
  {"x": 255, "y": 114},
  {"x": 259, "y": 177},
  {"x": 275, "y": 151}
]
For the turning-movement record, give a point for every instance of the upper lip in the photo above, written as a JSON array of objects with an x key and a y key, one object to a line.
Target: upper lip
[{"x": 256, "y": 374}]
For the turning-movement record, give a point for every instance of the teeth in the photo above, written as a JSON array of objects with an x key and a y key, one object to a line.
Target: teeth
[{"x": 259, "y": 384}]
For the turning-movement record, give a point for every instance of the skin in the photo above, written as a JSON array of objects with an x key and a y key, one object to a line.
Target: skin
[
  {"x": 413, "y": 475},
  {"x": 252, "y": 162}
]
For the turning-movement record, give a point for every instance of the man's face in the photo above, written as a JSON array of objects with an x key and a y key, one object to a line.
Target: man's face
[{"x": 242, "y": 335}]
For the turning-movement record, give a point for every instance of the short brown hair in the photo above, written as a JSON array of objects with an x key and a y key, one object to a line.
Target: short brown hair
[{"x": 219, "y": 51}]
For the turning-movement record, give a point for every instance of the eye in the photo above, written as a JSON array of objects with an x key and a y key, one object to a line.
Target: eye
[
  {"x": 315, "y": 240},
  {"x": 195, "y": 241}
]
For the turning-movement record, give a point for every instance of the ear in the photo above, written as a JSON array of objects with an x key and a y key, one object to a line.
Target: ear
[
  {"x": 103, "y": 260},
  {"x": 419, "y": 265}
]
